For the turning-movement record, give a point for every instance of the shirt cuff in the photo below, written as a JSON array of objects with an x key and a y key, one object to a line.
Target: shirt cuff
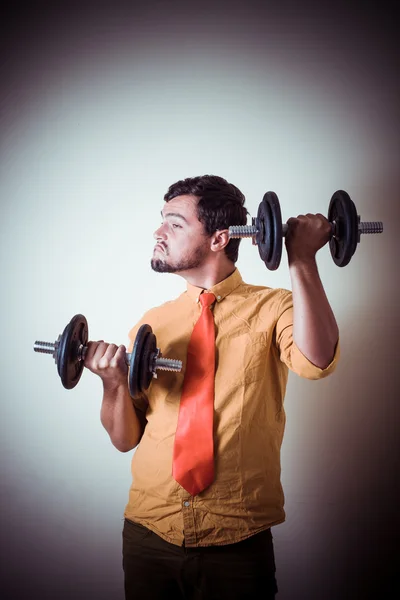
[{"x": 305, "y": 368}]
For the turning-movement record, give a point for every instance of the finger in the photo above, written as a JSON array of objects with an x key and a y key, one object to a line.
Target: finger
[
  {"x": 292, "y": 222},
  {"x": 92, "y": 349},
  {"x": 119, "y": 358},
  {"x": 321, "y": 219},
  {"x": 100, "y": 350},
  {"x": 107, "y": 356},
  {"x": 121, "y": 351},
  {"x": 302, "y": 218}
]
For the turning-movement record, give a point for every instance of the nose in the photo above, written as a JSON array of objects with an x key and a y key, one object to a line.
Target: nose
[{"x": 160, "y": 233}]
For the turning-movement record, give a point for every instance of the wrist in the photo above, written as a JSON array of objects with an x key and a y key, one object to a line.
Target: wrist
[
  {"x": 297, "y": 262},
  {"x": 115, "y": 386}
]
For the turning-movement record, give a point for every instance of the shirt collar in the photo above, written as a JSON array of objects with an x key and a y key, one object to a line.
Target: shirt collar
[{"x": 220, "y": 290}]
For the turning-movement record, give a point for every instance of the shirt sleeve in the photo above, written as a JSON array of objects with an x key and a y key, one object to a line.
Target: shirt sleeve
[{"x": 289, "y": 352}]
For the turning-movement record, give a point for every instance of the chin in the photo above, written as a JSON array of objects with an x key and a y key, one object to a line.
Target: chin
[{"x": 159, "y": 266}]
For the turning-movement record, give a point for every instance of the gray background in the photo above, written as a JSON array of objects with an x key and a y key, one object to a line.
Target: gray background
[{"x": 102, "y": 107}]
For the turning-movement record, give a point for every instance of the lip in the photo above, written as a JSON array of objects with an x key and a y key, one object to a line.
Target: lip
[{"x": 159, "y": 247}]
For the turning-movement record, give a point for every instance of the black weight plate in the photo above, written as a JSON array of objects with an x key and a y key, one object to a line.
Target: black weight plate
[
  {"x": 68, "y": 366},
  {"x": 136, "y": 360},
  {"x": 270, "y": 243},
  {"x": 273, "y": 203},
  {"x": 149, "y": 349},
  {"x": 264, "y": 237},
  {"x": 342, "y": 210}
]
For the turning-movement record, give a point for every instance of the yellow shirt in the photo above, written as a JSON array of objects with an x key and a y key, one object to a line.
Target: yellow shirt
[{"x": 254, "y": 349}]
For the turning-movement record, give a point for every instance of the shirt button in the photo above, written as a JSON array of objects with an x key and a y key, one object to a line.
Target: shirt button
[{"x": 186, "y": 503}]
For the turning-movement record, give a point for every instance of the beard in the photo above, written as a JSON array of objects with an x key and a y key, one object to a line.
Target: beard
[{"x": 194, "y": 260}]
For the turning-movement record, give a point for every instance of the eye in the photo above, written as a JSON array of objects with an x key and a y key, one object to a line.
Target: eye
[{"x": 176, "y": 226}]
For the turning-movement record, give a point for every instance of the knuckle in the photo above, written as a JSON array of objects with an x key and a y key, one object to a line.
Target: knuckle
[
  {"x": 114, "y": 363},
  {"x": 103, "y": 363}
]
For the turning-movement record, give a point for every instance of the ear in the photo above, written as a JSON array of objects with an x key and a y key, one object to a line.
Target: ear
[{"x": 219, "y": 240}]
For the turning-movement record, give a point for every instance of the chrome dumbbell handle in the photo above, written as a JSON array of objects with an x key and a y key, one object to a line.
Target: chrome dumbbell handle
[
  {"x": 250, "y": 231},
  {"x": 158, "y": 362}
]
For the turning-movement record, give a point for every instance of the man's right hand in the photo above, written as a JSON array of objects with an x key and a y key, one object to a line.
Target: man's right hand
[{"x": 108, "y": 361}]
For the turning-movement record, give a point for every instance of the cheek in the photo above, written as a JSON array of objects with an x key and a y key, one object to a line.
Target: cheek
[{"x": 180, "y": 247}]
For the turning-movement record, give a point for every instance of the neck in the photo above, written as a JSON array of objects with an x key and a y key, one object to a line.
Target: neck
[{"x": 207, "y": 276}]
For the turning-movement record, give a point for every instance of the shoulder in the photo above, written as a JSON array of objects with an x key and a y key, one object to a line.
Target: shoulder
[
  {"x": 262, "y": 306},
  {"x": 264, "y": 294},
  {"x": 158, "y": 314},
  {"x": 167, "y": 308}
]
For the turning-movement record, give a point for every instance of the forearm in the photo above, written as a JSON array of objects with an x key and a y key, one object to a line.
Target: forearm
[
  {"x": 315, "y": 330},
  {"x": 119, "y": 417}
]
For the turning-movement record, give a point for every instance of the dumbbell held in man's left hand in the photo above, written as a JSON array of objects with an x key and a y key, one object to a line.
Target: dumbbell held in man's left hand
[{"x": 267, "y": 229}]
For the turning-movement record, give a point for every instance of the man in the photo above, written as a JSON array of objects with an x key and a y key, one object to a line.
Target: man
[{"x": 216, "y": 542}]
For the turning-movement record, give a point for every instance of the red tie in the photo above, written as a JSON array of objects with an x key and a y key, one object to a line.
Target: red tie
[{"x": 193, "y": 461}]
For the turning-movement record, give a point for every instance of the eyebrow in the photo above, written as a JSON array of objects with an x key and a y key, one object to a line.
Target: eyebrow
[{"x": 171, "y": 214}]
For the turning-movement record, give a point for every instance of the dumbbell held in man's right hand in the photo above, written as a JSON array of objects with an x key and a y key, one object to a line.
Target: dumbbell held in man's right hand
[{"x": 70, "y": 348}]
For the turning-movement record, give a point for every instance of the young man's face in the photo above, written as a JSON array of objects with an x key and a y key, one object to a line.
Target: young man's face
[{"x": 181, "y": 241}]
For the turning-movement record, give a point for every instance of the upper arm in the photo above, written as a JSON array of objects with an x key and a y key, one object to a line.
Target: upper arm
[
  {"x": 142, "y": 420},
  {"x": 289, "y": 352}
]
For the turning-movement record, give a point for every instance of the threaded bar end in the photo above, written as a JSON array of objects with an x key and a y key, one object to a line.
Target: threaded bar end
[
  {"x": 168, "y": 364},
  {"x": 371, "y": 227},
  {"x": 44, "y": 347},
  {"x": 242, "y": 231}
]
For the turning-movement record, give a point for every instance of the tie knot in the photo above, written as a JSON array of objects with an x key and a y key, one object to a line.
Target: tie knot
[{"x": 207, "y": 299}]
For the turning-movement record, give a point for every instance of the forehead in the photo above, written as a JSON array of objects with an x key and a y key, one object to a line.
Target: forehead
[{"x": 186, "y": 205}]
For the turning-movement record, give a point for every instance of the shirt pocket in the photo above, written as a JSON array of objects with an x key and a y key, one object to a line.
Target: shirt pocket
[{"x": 243, "y": 358}]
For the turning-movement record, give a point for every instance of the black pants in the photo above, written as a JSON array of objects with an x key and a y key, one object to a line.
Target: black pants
[{"x": 157, "y": 570}]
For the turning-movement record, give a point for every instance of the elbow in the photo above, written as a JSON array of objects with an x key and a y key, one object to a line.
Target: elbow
[
  {"x": 125, "y": 440},
  {"x": 126, "y": 444},
  {"x": 325, "y": 355},
  {"x": 324, "y": 361},
  {"x": 124, "y": 447}
]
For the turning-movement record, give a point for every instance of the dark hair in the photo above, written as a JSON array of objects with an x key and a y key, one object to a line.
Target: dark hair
[{"x": 220, "y": 205}]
